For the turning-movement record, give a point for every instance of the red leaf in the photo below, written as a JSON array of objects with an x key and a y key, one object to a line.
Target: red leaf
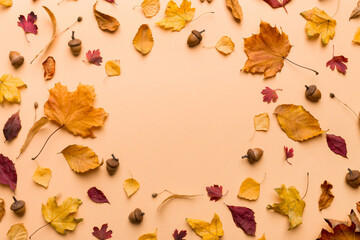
[
  {"x": 214, "y": 192},
  {"x": 289, "y": 153},
  {"x": 339, "y": 63},
  {"x": 12, "y": 127},
  {"x": 94, "y": 57},
  {"x": 244, "y": 218},
  {"x": 97, "y": 195},
  {"x": 28, "y": 24},
  {"x": 277, "y": 3},
  {"x": 8, "y": 174},
  {"x": 179, "y": 235},
  {"x": 102, "y": 234},
  {"x": 110, "y": 1},
  {"x": 270, "y": 95},
  {"x": 337, "y": 144}
]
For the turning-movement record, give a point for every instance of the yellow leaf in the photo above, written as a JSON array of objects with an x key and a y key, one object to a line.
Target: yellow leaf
[
  {"x": 297, "y": 123},
  {"x": 74, "y": 110},
  {"x": 81, "y": 159},
  {"x": 61, "y": 217},
  {"x": 17, "y": 232},
  {"x": 6, "y": 3},
  {"x": 105, "y": 22},
  {"x": 262, "y": 122},
  {"x": 131, "y": 186},
  {"x": 262, "y": 238},
  {"x": 9, "y": 88},
  {"x": 149, "y": 236},
  {"x": 177, "y": 17},
  {"x": 42, "y": 176},
  {"x": 357, "y": 36},
  {"x": 319, "y": 23},
  {"x": 143, "y": 40},
  {"x": 225, "y": 45},
  {"x": 235, "y": 8},
  {"x": 291, "y": 205},
  {"x": 112, "y": 68},
  {"x": 249, "y": 189},
  {"x": 208, "y": 231},
  {"x": 2, "y": 208},
  {"x": 150, "y": 7}
]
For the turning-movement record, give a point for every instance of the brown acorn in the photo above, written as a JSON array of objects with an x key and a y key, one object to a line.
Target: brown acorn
[
  {"x": 194, "y": 38},
  {"x": 353, "y": 178},
  {"x": 112, "y": 164},
  {"x": 312, "y": 93},
  {"x": 253, "y": 155},
  {"x": 75, "y": 45},
  {"x": 136, "y": 216},
  {"x": 16, "y": 59},
  {"x": 18, "y": 207}
]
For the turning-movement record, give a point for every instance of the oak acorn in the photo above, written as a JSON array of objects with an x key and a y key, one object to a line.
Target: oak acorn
[
  {"x": 253, "y": 155},
  {"x": 112, "y": 164},
  {"x": 18, "y": 207},
  {"x": 353, "y": 178},
  {"x": 136, "y": 216},
  {"x": 312, "y": 93},
  {"x": 194, "y": 38},
  {"x": 75, "y": 45},
  {"x": 16, "y": 59}
]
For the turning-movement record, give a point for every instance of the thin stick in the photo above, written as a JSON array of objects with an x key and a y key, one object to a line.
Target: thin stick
[
  {"x": 333, "y": 96},
  {"x": 200, "y": 16},
  {"x": 337, "y": 9},
  {"x": 316, "y": 72},
  {"x": 136, "y": 6},
  {"x": 38, "y": 230},
  {"x": 48, "y": 140},
  {"x": 263, "y": 179},
  {"x": 307, "y": 185},
  {"x": 60, "y": 2}
]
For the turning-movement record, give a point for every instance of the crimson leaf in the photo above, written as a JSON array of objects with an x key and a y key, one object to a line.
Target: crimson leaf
[
  {"x": 94, "y": 57},
  {"x": 179, "y": 235},
  {"x": 270, "y": 95},
  {"x": 97, "y": 195},
  {"x": 8, "y": 174},
  {"x": 214, "y": 192},
  {"x": 277, "y": 3},
  {"x": 339, "y": 63},
  {"x": 337, "y": 144},
  {"x": 244, "y": 218},
  {"x": 102, "y": 233},
  {"x": 289, "y": 153},
  {"x": 12, "y": 127},
  {"x": 28, "y": 24}
]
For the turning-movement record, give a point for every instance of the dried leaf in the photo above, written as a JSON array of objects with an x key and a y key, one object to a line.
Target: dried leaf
[
  {"x": 150, "y": 7},
  {"x": 225, "y": 45},
  {"x": 131, "y": 186},
  {"x": 207, "y": 231},
  {"x": 249, "y": 189},
  {"x": 2, "y": 208},
  {"x": 357, "y": 36},
  {"x": 49, "y": 68},
  {"x": 177, "y": 17},
  {"x": 289, "y": 153},
  {"x": 215, "y": 192},
  {"x": 235, "y": 8},
  {"x": 103, "y": 233},
  {"x": 277, "y": 3},
  {"x": 9, "y": 88},
  {"x": 179, "y": 235},
  {"x": 61, "y": 218},
  {"x": 266, "y": 51},
  {"x": 94, "y": 57},
  {"x": 297, "y": 123},
  {"x": 112, "y": 68},
  {"x": 326, "y": 196},
  {"x": 143, "y": 40},
  {"x": 12, "y": 127},
  {"x": 176, "y": 196},
  {"x": 244, "y": 218},
  {"x": 8, "y": 174},
  {"x": 28, "y": 25},
  {"x": 263, "y": 237},
  {"x": 356, "y": 12},
  {"x": 17, "y": 232},
  {"x": 339, "y": 63},
  {"x": 262, "y": 122},
  {"x": 105, "y": 22},
  {"x": 358, "y": 206},
  {"x": 270, "y": 95},
  {"x": 42, "y": 176},
  {"x": 6, "y": 3},
  {"x": 336, "y": 144},
  {"x": 81, "y": 159},
  {"x": 97, "y": 195},
  {"x": 149, "y": 236}
]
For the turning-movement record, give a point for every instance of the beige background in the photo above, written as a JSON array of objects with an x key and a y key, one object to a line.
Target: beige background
[{"x": 181, "y": 118}]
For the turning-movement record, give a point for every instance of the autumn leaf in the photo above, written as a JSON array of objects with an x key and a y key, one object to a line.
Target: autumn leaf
[
  {"x": 176, "y": 196},
  {"x": 205, "y": 230},
  {"x": 319, "y": 23},
  {"x": 131, "y": 186},
  {"x": 42, "y": 176},
  {"x": 277, "y": 3},
  {"x": 61, "y": 218},
  {"x": 291, "y": 205},
  {"x": 97, "y": 195},
  {"x": 150, "y": 7},
  {"x": 326, "y": 196},
  {"x": 262, "y": 122},
  {"x": 149, "y": 236},
  {"x": 103, "y": 233},
  {"x": 244, "y": 218},
  {"x": 94, "y": 57},
  {"x": 2, "y": 208},
  {"x": 225, "y": 45},
  {"x": 8, "y": 175},
  {"x": 81, "y": 159},
  {"x": 6, "y": 3},
  {"x": 143, "y": 40},
  {"x": 49, "y": 68},
  {"x": 12, "y": 127},
  {"x": 249, "y": 189},
  {"x": 266, "y": 51},
  {"x": 105, "y": 22},
  {"x": 179, "y": 235},
  {"x": 297, "y": 123},
  {"x": 289, "y": 153},
  {"x": 177, "y": 17},
  {"x": 235, "y": 8},
  {"x": 270, "y": 95},
  {"x": 215, "y": 192},
  {"x": 112, "y": 68},
  {"x": 336, "y": 144},
  {"x": 356, "y": 12},
  {"x": 356, "y": 38},
  {"x": 338, "y": 62},
  {"x": 28, "y": 25},
  {"x": 17, "y": 232},
  {"x": 263, "y": 237},
  {"x": 9, "y": 88}
]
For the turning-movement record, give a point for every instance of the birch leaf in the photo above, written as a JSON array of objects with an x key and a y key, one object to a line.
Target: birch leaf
[
  {"x": 262, "y": 122},
  {"x": 112, "y": 68},
  {"x": 42, "y": 176},
  {"x": 17, "y": 232},
  {"x": 6, "y": 3},
  {"x": 249, "y": 189},
  {"x": 131, "y": 186},
  {"x": 150, "y": 7},
  {"x": 225, "y": 45},
  {"x": 143, "y": 40}
]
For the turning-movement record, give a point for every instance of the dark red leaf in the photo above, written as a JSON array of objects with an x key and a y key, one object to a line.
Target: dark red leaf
[
  {"x": 8, "y": 174},
  {"x": 244, "y": 218},
  {"x": 270, "y": 95},
  {"x": 12, "y": 127},
  {"x": 110, "y": 1},
  {"x": 277, "y": 3},
  {"x": 179, "y": 235},
  {"x": 94, "y": 57},
  {"x": 289, "y": 153},
  {"x": 28, "y": 24},
  {"x": 339, "y": 63},
  {"x": 97, "y": 195},
  {"x": 337, "y": 144},
  {"x": 102, "y": 233},
  {"x": 214, "y": 192}
]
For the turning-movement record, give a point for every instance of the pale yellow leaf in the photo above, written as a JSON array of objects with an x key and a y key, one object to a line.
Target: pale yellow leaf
[
  {"x": 143, "y": 40},
  {"x": 6, "y": 3},
  {"x": 225, "y": 45},
  {"x": 150, "y": 7},
  {"x": 105, "y": 22},
  {"x": 177, "y": 17},
  {"x": 131, "y": 186},
  {"x": 208, "y": 231},
  {"x": 357, "y": 36},
  {"x": 2, "y": 208},
  {"x": 17, "y": 232},
  {"x": 149, "y": 236},
  {"x": 235, "y": 8},
  {"x": 9, "y": 88},
  {"x": 112, "y": 68},
  {"x": 81, "y": 159},
  {"x": 42, "y": 176},
  {"x": 249, "y": 189},
  {"x": 262, "y": 122}
]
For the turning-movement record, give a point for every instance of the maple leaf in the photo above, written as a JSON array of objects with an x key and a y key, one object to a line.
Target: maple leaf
[
  {"x": 215, "y": 192},
  {"x": 270, "y": 95},
  {"x": 337, "y": 144},
  {"x": 266, "y": 51},
  {"x": 97, "y": 195},
  {"x": 244, "y": 218},
  {"x": 102, "y": 233},
  {"x": 8, "y": 175},
  {"x": 289, "y": 153},
  {"x": 326, "y": 196},
  {"x": 208, "y": 231},
  {"x": 12, "y": 127},
  {"x": 179, "y": 235},
  {"x": 338, "y": 62},
  {"x": 277, "y": 3},
  {"x": 28, "y": 25},
  {"x": 94, "y": 57},
  {"x": 9, "y": 88}
]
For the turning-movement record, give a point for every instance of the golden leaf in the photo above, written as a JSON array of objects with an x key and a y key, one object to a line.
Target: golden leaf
[
  {"x": 112, "y": 68},
  {"x": 2, "y": 208},
  {"x": 266, "y": 51},
  {"x": 81, "y": 159},
  {"x": 17, "y": 232},
  {"x": 249, "y": 189},
  {"x": 74, "y": 110},
  {"x": 235, "y": 8},
  {"x": 143, "y": 40},
  {"x": 6, "y": 3},
  {"x": 225, "y": 45},
  {"x": 291, "y": 205},
  {"x": 49, "y": 68},
  {"x": 9, "y": 88},
  {"x": 356, "y": 12},
  {"x": 42, "y": 176},
  {"x": 149, "y": 236},
  {"x": 176, "y": 196},
  {"x": 297, "y": 123},
  {"x": 208, "y": 231},
  {"x": 326, "y": 196},
  {"x": 177, "y": 17},
  {"x": 61, "y": 218},
  {"x": 131, "y": 186},
  {"x": 262, "y": 122},
  {"x": 150, "y": 7},
  {"x": 263, "y": 237},
  {"x": 357, "y": 36},
  {"x": 319, "y": 23},
  {"x": 105, "y": 22}
]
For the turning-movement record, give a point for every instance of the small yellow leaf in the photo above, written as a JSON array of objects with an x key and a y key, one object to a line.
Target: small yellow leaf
[
  {"x": 6, "y": 3},
  {"x": 149, "y": 236},
  {"x": 105, "y": 22},
  {"x": 177, "y": 17},
  {"x": 357, "y": 36},
  {"x": 42, "y": 176},
  {"x": 2, "y": 208},
  {"x": 17, "y": 232},
  {"x": 225, "y": 45},
  {"x": 143, "y": 40},
  {"x": 235, "y": 8},
  {"x": 112, "y": 68},
  {"x": 249, "y": 189},
  {"x": 208, "y": 231},
  {"x": 262, "y": 238},
  {"x": 262, "y": 122},
  {"x": 81, "y": 159},
  {"x": 131, "y": 186},
  {"x": 9, "y": 88},
  {"x": 150, "y": 7}
]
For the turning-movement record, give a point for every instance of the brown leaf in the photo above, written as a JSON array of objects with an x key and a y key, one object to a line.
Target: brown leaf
[
  {"x": 49, "y": 68},
  {"x": 356, "y": 12},
  {"x": 235, "y": 8},
  {"x": 326, "y": 196},
  {"x": 105, "y": 22},
  {"x": 2, "y": 208}
]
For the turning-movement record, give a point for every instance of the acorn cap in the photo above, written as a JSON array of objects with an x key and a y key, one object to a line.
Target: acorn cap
[
  {"x": 17, "y": 205},
  {"x": 197, "y": 34},
  {"x": 74, "y": 42},
  {"x": 112, "y": 163},
  {"x": 310, "y": 89}
]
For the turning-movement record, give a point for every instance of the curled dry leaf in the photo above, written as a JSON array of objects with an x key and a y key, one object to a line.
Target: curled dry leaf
[
  {"x": 177, "y": 17},
  {"x": 105, "y": 22},
  {"x": 131, "y": 186},
  {"x": 337, "y": 144},
  {"x": 176, "y": 196},
  {"x": 42, "y": 176},
  {"x": 143, "y": 40},
  {"x": 249, "y": 189},
  {"x": 244, "y": 218},
  {"x": 149, "y": 236},
  {"x": 235, "y": 8},
  {"x": 103, "y": 233},
  {"x": 225, "y": 45},
  {"x": 96, "y": 195},
  {"x": 6, "y": 3},
  {"x": 17, "y": 232},
  {"x": 205, "y": 230},
  {"x": 8, "y": 175},
  {"x": 289, "y": 153},
  {"x": 150, "y": 7},
  {"x": 112, "y": 68},
  {"x": 356, "y": 12},
  {"x": 81, "y": 159},
  {"x": 49, "y": 68},
  {"x": 12, "y": 127},
  {"x": 9, "y": 88},
  {"x": 2, "y": 208},
  {"x": 326, "y": 196},
  {"x": 262, "y": 122}
]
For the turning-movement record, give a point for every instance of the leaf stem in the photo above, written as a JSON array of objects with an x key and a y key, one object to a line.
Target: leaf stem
[
  {"x": 136, "y": 6},
  {"x": 60, "y": 2},
  {"x": 332, "y": 95},
  {"x": 201, "y": 16},
  {"x": 316, "y": 72},
  {"x": 47, "y": 141},
  {"x": 337, "y": 9},
  {"x": 263, "y": 179},
  {"x": 307, "y": 185},
  {"x": 38, "y": 230}
]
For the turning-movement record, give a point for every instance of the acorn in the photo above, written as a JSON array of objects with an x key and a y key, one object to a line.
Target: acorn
[
  {"x": 16, "y": 59},
  {"x": 353, "y": 178},
  {"x": 112, "y": 164},
  {"x": 18, "y": 207},
  {"x": 136, "y": 216},
  {"x": 194, "y": 38},
  {"x": 75, "y": 45},
  {"x": 312, "y": 93},
  {"x": 253, "y": 155}
]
